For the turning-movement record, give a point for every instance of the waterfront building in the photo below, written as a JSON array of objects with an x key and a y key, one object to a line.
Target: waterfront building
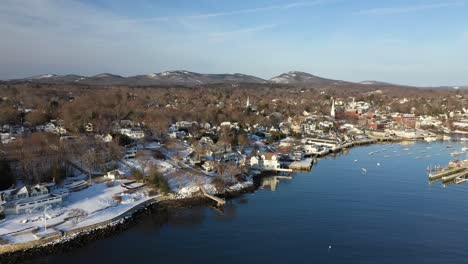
[{"x": 265, "y": 161}]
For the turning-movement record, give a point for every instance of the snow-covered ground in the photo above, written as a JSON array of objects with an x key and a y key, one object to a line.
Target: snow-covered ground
[
  {"x": 96, "y": 201},
  {"x": 98, "y": 205},
  {"x": 183, "y": 180},
  {"x": 145, "y": 164}
]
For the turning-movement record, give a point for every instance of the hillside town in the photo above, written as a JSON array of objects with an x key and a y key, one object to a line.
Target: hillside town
[{"x": 69, "y": 172}]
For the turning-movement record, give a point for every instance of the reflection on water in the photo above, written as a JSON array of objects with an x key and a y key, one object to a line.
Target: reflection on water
[{"x": 273, "y": 181}]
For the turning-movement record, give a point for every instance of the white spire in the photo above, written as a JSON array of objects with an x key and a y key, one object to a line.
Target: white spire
[
  {"x": 247, "y": 105},
  {"x": 332, "y": 112}
]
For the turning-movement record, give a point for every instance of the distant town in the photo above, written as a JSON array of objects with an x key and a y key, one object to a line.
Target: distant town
[{"x": 79, "y": 153}]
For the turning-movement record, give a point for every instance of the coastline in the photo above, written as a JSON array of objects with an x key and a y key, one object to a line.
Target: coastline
[
  {"x": 61, "y": 243},
  {"x": 11, "y": 254}
]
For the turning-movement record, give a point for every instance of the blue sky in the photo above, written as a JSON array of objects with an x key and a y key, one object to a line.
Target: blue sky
[{"x": 416, "y": 42}]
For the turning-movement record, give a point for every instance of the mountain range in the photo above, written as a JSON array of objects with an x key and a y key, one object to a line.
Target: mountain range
[{"x": 188, "y": 78}]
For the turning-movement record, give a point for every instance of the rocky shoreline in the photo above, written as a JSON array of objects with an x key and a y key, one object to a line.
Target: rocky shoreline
[{"x": 160, "y": 209}]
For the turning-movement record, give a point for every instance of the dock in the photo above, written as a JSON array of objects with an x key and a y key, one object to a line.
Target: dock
[
  {"x": 304, "y": 164},
  {"x": 445, "y": 173},
  {"x": 455, "y": 176},
  {"x": 220, "y": 202}
]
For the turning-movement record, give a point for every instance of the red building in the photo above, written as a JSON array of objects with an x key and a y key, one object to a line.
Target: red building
[{"x": 406, "y": 119}]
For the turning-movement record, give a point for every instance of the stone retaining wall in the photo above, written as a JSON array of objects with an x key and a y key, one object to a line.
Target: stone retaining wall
[{"x": 43, "y": 241}]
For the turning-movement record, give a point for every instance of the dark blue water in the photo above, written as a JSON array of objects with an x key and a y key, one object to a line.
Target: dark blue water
[{"x": 333, "y": 214}]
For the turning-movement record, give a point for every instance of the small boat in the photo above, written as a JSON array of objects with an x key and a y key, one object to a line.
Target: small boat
[
  {"x": 364, "y": 171},
  {"x": 433, "y": 169},
  {"x": 456, "y": 153},
  {"x": 76, "y": 185}
]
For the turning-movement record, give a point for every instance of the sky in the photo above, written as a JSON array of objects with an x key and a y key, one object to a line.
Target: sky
[{"x": 413, "y": 42}]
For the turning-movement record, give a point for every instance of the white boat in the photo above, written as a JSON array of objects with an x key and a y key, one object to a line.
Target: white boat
[
  {"x": 76, "y": 186},
  {"x": 430, "y": 139}
]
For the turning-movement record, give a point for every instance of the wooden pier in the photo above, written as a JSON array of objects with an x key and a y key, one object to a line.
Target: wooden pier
[
  {"x": 445, "y": 173},
  {"x": 453, "y": 177},
  {"x": 220, "y": 202},
  {"x": 305, "y": 164}
]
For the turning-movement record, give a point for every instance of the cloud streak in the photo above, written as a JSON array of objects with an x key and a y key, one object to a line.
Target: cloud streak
[
  {"x": 243, "y": 30},
  {"x": 235, "y": 12},
  {"x": 409, "y": 8}
]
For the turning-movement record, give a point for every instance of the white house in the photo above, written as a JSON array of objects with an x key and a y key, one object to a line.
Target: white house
[
  {"x": 408, "y": 134},
  {"x": 114, "y": 175},
  {"x": 265, "y": 161},
  {"x": 18, "y": 194},
  {"x": 6, "y": 138},
  {"x": 38, "y": 190},
  {"x": 104, "y": 138},
  {"x": 208, "y": 166},
  {"x": 133, "y": 133}
]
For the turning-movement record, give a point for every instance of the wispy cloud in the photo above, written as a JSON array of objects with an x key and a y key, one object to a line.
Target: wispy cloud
[
  {"x": 243, "y": 30},
  {"x": 409, "y": 8},
  {"x": 259, "y": 9},
  {"x": 236, "y": 12}
]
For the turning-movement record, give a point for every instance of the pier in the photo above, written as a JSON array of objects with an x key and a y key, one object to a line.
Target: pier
[
  {"x": 220, "y": 202},
  {"x": 445, "y": 173},
  {"x": 452, "y": 177},
  {"x": 305, "y": 164}
]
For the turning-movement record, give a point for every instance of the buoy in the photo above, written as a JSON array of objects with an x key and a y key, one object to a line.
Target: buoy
[{"x": 378, "y": 164}]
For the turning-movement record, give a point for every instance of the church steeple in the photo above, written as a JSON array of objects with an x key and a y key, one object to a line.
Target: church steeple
[{"x": 332, "y": 111}]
